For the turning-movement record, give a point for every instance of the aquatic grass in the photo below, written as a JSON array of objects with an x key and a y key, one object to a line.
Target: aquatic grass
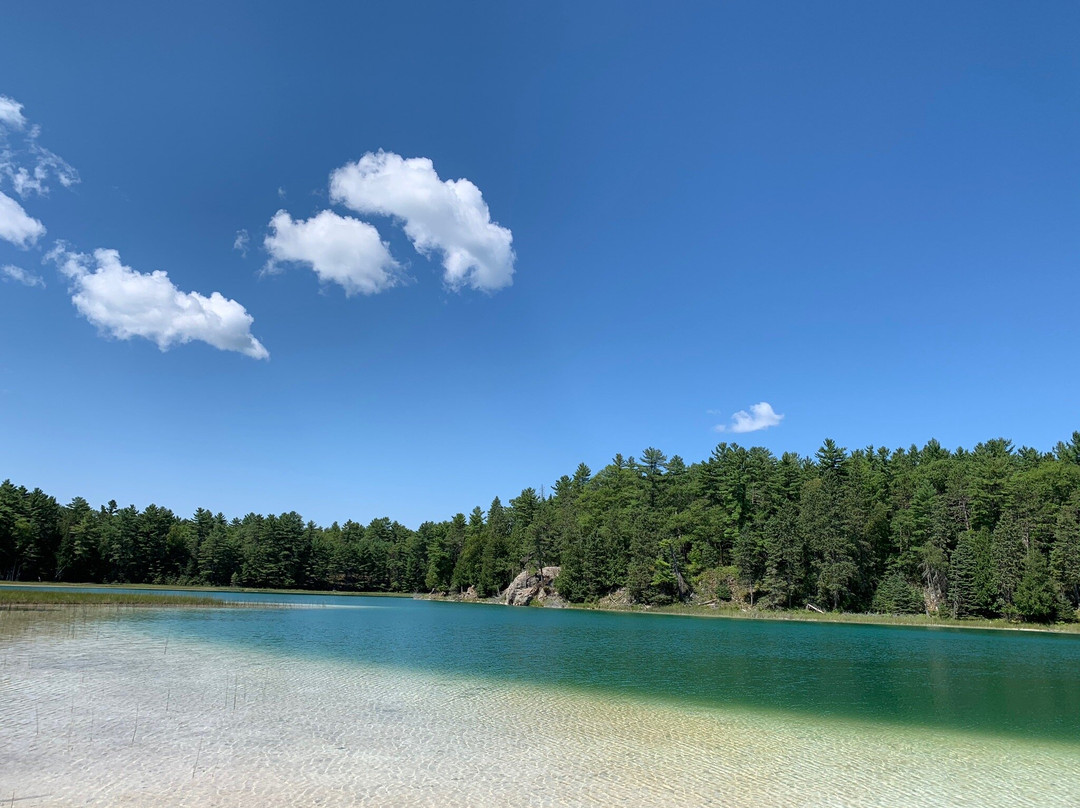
[
  {"x": 58, "y": 585},
  {"x": 17, "y": 598}
]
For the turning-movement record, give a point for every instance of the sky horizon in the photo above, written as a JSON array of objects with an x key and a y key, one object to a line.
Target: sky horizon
[{"x": 396, "y": 261}]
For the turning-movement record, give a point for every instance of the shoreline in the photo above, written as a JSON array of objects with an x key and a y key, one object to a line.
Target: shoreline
[
  {"x": 789, "y": 615},
  {"x": 679, "y": 610},
  {"x": 851, "y": 618}
]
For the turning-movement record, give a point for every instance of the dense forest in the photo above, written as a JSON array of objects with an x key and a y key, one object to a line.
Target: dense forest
[{"x": 993, "y": 532}]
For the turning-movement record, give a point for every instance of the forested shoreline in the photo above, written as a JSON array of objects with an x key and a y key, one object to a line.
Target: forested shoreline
[{"x": 991, "y": 532}]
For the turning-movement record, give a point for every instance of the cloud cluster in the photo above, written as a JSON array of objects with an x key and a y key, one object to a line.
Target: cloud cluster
[
  {"x": 20, "y": 275},
  {"x": 26, "y": 164},
  {"x": 448, "y": 217},
  {"x": 32, "y": 176},
  {"x": 340, "y": 249},
  {"x": 760, "y": 416},
  {"x": 126, "y": 303},
  {"x": 28, "y": 167},
  {"x": 117, "y": 299}
]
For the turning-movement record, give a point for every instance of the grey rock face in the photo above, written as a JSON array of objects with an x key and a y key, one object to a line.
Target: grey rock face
[{"x": 529, "y": 586}]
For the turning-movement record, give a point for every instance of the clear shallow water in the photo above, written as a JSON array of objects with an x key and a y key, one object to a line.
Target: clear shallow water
[
  {"x": 1025, "y": 684},
  {"x": 389, "y": 701}
]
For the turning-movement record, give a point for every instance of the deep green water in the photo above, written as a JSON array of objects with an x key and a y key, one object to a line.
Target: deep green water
[{"x": 1005, "y": 683}]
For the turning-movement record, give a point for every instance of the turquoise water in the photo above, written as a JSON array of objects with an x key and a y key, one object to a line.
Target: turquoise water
[{"x": 1022, "y": 684}]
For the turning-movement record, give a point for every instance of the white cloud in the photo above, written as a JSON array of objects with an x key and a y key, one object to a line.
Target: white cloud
[
  {"x": 34, "y": 179},
  {"x": 449, "y": 217},
  {"x": 340, "y": 249},
  {"x": 126, "y": 303},
  {"x": 11, "y": 113},
  {"x": 760, "y": 416},
  {"x": 20, "y": 275},
  {"x": 16, "y": 225},
  {"x": 241, "y": 242}
]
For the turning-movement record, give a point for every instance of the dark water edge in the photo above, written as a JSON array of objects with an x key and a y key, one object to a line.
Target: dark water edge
[{"x": 1022, "y": 684}]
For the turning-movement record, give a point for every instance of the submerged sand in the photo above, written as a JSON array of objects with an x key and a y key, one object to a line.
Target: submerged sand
[{"x": 102, "y": 713}]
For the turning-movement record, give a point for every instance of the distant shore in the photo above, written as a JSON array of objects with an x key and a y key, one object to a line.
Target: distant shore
[
  {"x": 603, "y": 605},
  {"x": 794, "y": 615},
  {"x": 787, "y": 615}
]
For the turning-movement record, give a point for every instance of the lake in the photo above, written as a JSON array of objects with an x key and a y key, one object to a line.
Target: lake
[{"x": 391, "y": 701}]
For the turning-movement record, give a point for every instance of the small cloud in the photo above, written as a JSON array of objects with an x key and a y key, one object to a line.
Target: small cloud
[
  {"x": 340, "y": 249},
  {"x": 33, "y": 179},
  {"x": 126, "y": 303},
  {"x": 448, "y": 217},
  {"x": 11, "y": 113},
  {"x": 16, "y": 225},
  {"x": 27, "y": 164},
  {"x": 281, "y": 192},
  {"x": 760, "y": 416},
  {"x": 240, "y": 243},
  {"x": 20, "y": 275}
]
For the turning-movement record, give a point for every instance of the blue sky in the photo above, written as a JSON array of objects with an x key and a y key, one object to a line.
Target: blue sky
[{"x": 864, "y": 215}]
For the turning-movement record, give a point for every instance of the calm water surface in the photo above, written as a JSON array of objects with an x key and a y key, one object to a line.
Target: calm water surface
[{"x": 1025, "y": 684}]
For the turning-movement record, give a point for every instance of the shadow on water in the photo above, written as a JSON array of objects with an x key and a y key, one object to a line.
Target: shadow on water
[{"x": 1019, "y": 684}]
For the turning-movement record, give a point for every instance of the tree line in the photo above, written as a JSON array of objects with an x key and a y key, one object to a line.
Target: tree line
[{"x": 992, "y": 532}]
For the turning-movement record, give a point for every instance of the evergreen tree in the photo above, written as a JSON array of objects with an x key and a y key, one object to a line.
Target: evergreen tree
[
  {"x": 1065, "y": 553},
  {"x": 785, "y": 554},
  {"x": 78, "y": 557},
  {"x": 963, "y": 575},
  {"x": 1008, "y": 551},
  {"x": 467, "y": 569},
  {"x": 496, "y": 566},
  {"x": 894, "y": 595},
  {"x": 1035, "y": 599}
]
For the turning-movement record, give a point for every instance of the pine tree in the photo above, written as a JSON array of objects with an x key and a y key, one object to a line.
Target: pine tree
[
  {"x": 963, "y": 572},
  {"x": 496, "y": 566},
  {"x": 1035, "y": 598},
  {"x": 1008, "y": 551},
  {"x": 894, "y": 595},
  {"x": 467, "y": 570},
  {"x": 1065, "y": 552}
]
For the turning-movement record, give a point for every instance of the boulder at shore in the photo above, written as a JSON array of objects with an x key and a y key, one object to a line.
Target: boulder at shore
[{"x": 530, "y": 586}]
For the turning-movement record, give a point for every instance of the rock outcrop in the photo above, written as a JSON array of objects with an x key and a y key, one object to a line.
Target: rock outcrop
[{"x": 532, "y": 585}]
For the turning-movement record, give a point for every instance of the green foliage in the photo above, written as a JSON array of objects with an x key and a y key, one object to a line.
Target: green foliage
[
  {"x": 1008, "y": 548},
  {"x": 990, "y": 532},
  {"x": 719, "y": 583},
  {"x": 894, "y": 595},
  {"x": 1036, "y": 600},
  {"x": 496, "y": 567},
  {"x": 1065, "y": 553},
  {"x": 964, "y": 595}
]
